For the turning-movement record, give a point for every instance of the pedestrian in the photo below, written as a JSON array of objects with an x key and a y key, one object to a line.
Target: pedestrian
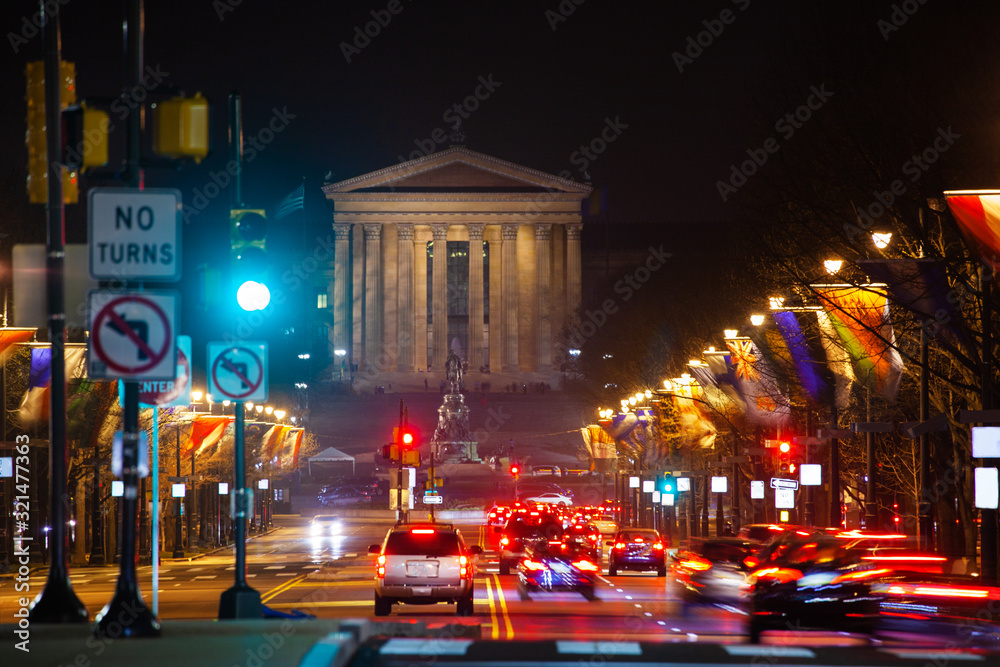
[{"x": 425, "y": 384}]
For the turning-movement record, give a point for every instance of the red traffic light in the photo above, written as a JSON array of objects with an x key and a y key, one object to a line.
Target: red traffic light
[
  {"x": 405, "y": 437},
  {"x": 514, "y": 470},
  {"x": 784, "y": 448}
]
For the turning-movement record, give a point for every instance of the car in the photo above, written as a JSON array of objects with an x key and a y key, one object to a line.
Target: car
[
  {"x": 639, "y": 549},
  {"x": 586, "y": 537},
  {"x": 814, "y": 581},
  {"x": 536, "y": 488},
  {"x": 940, "y": 604},
  {"x": 547, "y": 470},
  {"x": 606, "y": 524},
  {"x": 523, "y": 529},
  {"x": 325, "y": 524},
  {"x": 765, "y": 532},
  {"x": 498, "y": 515},
  {"x": 424, "y": 563},
  {"x": 344, "y": 497},
  {"x": 551, "y": 498},
  {"x": 712, "y": 572},
  {"x": 551, "y": 566}
]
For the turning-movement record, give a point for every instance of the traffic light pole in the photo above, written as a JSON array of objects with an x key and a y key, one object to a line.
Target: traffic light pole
[
  {"x": 57, "y": 602},
  {"x": 432, "y": 483}
]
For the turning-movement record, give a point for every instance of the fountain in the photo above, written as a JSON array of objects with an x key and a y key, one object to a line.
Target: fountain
[{"x": 452, "y": 439}]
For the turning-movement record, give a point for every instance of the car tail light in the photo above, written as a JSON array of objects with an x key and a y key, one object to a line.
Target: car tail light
[
  {"x": 465, "y": 567},
  {"x": 593, "y": 538},
  {"x": 945, "y": 591},
  {"x": 638, "y": 539},
  {"x": 504, "y": 541},
  {"x": 782, "y": 575},
  {"x": 533, "y": 565},
  {"x": 553, "y": 542},
  {"x": 696, "y": 564},
  {"x": 861, "y": 575},
  {"x": 619, "y": 545},
  {"x": 380, "y": 571},
  {"x": 422, "y": 531},
  {"x": 751, "y": 562},
  {"x": 658, "y": 546},
  {"x": 585, "y": 566}
]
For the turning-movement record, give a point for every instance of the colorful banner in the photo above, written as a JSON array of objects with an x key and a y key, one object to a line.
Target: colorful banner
[
  {"x": 978, "y": 214},
  {"x": 289, "y": 456},
  {"x": 206, "y": 431},
  {"x": 10, "y": 337},
  {"x": 765, "y": 403},
  {"x": 805, "y": 357},
  {"x": 860, "y": 317},
  {"x": 599, "y": 444},
  {"x": 37, "y": 400}
]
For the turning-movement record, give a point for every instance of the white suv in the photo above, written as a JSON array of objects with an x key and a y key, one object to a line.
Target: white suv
[{"x": 424, "y": 563}]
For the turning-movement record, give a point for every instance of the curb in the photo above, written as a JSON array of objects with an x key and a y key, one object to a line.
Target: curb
[{"x": 188, "y": 559}]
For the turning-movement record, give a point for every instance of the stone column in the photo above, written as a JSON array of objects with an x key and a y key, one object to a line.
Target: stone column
[
  {"x": 509, "y": 297},
  {"x": 341, "y": 263},
  {"x": 420, "y": 297},
  {"x": 440, "y": 297},
  {"x": 496, "y": 302},
  {"x": 573, "y": 269},
  {"x": 476, "y": 296},
  {"x": 543, "y": 327},
  {"x": 373, "y": 296},
  {"x": 405, "y": 333}
]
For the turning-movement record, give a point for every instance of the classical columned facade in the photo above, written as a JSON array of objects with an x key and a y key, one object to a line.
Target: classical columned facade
[{"x": 454, "y": 251}]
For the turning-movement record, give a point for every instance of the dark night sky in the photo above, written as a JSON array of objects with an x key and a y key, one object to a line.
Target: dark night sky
[
  {"x": 558, "y": 88},
  {"x": 606, "y": 60}
]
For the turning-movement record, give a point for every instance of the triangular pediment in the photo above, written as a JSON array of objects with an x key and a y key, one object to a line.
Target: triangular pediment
[{"x": 457, "y": 168}]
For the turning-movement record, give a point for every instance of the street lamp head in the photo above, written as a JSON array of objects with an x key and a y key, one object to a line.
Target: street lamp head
[
  {"x": 632, "y": 401},
  {"x": 832, "y": 266},
  {"x": 268, "y": 409},
  {"x": 196, "y": 396},
  {"x": 280, "y": 414},
  {"x": 756, "y": 320},
  {"x": 226, "y": 403},
  {"x": 881, "y": 239},
  {"x": 731, "y": 333},
  {"x": 775, "y": 302},
  {"x": 340, "y": 353},
  {"x": 259, "y": 408}
]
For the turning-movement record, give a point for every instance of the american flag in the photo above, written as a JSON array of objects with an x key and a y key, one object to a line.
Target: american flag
[{"x": 293, "y": 202}]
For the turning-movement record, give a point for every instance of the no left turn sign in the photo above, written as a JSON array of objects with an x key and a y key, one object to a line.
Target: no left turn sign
[
  {"x": 238, "y": 371},
  {"x": 132, "y": 335}
]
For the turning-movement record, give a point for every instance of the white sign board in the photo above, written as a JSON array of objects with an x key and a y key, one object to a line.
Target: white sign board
[
  {"x": 648, "y": 485},
  {"x": 223, "y": 488},
  {"x": 784, "y": 498},
  {"x": 177, "y": 490},
  {"x": 811, "y": 474},
  {"x": 667, "y": 499},
  {"x": 238, "y": 371},
  {"x": 263, "y": 483},
  {"x": 720, "y": 484},
  {"x": 6, "y": 466},
  {"x": 656, "y": 497},
  {"x": 117, "y": 488},
  {"x": 756, "y": 489},
  {"x": 117, "y": 444},
  {"x": 633, "y": 482},
  {"x": 30, "y": 302},
  {"x": 986, "y": 442},
  {"x": 134, "y": 234},
  {"x": 132, "y": 335},
  {"x": 987, "y": 488},
  {"x": 683, "y": 483},
  {"x": 433, "y": 500}
]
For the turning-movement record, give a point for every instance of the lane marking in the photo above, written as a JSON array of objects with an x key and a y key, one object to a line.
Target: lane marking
[
  {"x": 326, "y": 603},
  {"x": 495, "y": 633},
  {"x": 278, "y": 590},
  {"x": 503, "y": 607}
]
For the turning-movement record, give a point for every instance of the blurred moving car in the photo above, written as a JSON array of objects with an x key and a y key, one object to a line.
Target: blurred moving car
[
  {"x": 497, "y": 516},
  {"x": 325, "y": 524},
  {"x": 638, "y": 549},
  {"x": 523, "y": 529},
  {"x": 712, "y": 571},
  {"x": 940, "y": 604},
  {"x": 547, "y": 470},
  {"x": 814, "y": 581},
  {"x": 606, "y": 524},
  {"x": 424, "y": 564},
  {"x": 765, "y": 532},
  {"x": 584, "y": 536},
  {"x": 551, "y": 498},
  {"x": 344, "y": 497},
  {"x": 551, "y": 566}
]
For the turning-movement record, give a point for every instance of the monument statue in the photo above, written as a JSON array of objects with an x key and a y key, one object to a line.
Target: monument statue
[{"x": 453, "y": 373}]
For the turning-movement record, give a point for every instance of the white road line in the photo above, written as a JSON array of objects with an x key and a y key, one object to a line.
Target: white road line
[
  {"x": 207, "y": 576},
  {"x": 285, "y": 574},
  {"x": 275, "y": 567}
]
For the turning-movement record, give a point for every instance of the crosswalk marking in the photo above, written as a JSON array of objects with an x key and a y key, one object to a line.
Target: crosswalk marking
[{"x": 275, "y": 567}]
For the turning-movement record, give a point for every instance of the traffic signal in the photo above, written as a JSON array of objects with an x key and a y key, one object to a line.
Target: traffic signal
[
  {"x": 785, "y": 465},
  {"x": 668, "y": 486},
  {"x": 248, "y": 251},
  {"x": 85, "y": 137},
  {"x": 180, "y": 127},
  {"x": 405, "y": 437},
  {"x": 515, "y": 471},
  {"x": 34, "y": 137}
]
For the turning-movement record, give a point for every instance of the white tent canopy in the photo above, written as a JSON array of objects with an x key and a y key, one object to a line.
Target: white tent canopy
[{"x": 331, "y": 455}]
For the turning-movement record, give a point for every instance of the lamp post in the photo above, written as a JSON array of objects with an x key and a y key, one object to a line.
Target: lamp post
[{"x": 178, "y": 549}]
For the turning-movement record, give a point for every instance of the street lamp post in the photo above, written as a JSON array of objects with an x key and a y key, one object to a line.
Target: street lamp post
[{"x": 178, "y": 549}]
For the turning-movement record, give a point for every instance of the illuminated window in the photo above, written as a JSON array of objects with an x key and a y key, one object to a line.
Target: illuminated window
[{"x": 321, "y": 300}]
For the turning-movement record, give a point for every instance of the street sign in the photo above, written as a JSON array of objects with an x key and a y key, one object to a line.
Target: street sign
[
  {"x": 167, "y": 393},
  {"x": 116, "y": 454},
  {"x": 683, "y": 483},
  {"x": 756, "y": 489},
  {"x": 238, "y": 371},
  {"x": 132, "y": 335},
  {"x": 811, "y": 474},
  {"x": 134, "y": 234},
  {"x": 986, "y": 442},
  {"x": 6, "y": 466},
  {"x": 720, "y": 484},
  {"x": 779, "y": 483},
  {"x": 433, "y": 500},
  {"x": 736, "y": 459},
  {"x": 784, "y": 498}
]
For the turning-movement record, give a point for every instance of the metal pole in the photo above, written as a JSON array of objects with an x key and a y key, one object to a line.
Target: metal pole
[
  {"x": 871, "y": 502},
  {"x": 57, "y": 602},
  {"x": 835, "y": 512},
  {"x": 96, "y": 514},
  {"x": 240, "y": 601},
  {"x": 925, "y": 526},
  {"x": 989, "y": 564},
  {"x": 178, "y": 536}
]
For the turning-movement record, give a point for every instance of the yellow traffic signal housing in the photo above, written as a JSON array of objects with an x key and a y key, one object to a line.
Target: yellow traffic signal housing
[
  {"x": 34, "y": 137},
  {"x": 411, "y": 458},
  {"x": 180, "y": 127},
  {"x": 85, "y": 137},
  {"x": 390, "y": 453}
]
